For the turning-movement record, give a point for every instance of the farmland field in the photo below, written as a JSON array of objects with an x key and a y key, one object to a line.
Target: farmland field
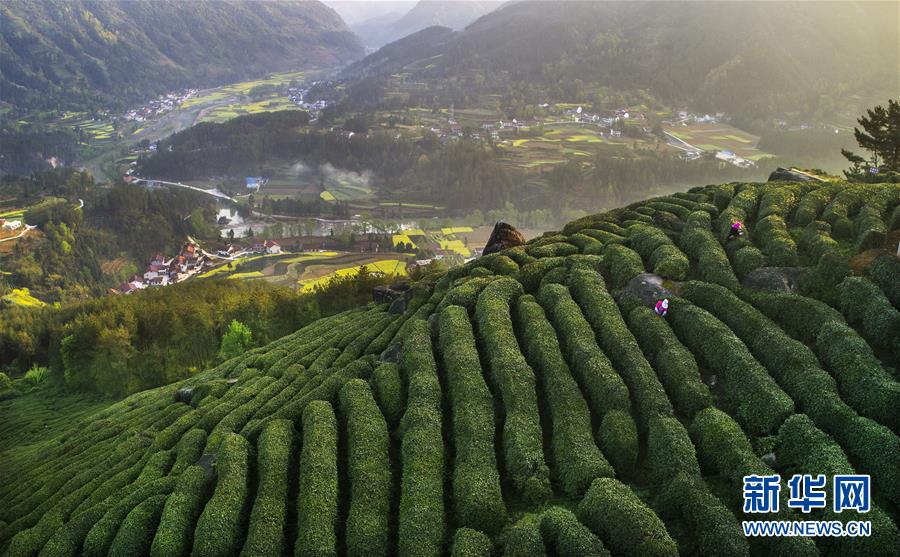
[
  {"x": 528, "y": 403},
  {"x": 319, "y": 275},
  {"x": 718, "y": 137}
]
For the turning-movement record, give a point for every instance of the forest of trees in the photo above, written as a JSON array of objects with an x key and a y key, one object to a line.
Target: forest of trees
[
  {"x": 121, "y": 222},
  {"x": 116, "y": 345}
]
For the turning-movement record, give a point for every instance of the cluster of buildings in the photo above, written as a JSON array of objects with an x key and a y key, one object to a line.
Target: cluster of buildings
[
  {"x": 685, "y": 118},
  {"x": 160, "y": 105},
  {"x": 162, "y": 272},
  {"x": 260, "y": 247},
  {"x": 10, "y": 224},
  {"x": 297, "y": 95}
]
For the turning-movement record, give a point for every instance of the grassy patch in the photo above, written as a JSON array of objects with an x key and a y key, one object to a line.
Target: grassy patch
[{"x": 22, "y": 297}]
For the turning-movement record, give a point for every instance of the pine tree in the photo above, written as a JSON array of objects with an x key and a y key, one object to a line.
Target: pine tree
[{"x": 880, "y": 135}]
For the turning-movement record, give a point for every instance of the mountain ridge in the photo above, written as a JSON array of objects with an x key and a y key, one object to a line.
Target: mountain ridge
[
  {"x": 733, "y": 58},
  {"x": 82, "y": 52}
]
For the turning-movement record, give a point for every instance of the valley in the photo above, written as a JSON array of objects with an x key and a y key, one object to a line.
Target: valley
[{"x": 436, "y": 278}]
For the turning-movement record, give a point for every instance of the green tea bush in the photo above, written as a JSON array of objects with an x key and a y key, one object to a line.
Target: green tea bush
[
  {"x": 816, "y": 240},
  {"x": 621, "y": 263},
  {"x": 465, "y": 294},
  {"x": 471, "y": 543},
  {"x": 747, "y": 259},
  {"x": 772, "y": 235},
  {"x": 822, "y": 281},
  {"x": 811, "y": 205},
  {"x": 844, "y": 204},
  {"x": 603, "y": 387},
  {"x": 525, "y": 539},
  {"x": 136, "y": 532},
  {"x": 100, "y": 537},
  {"x": 722, "y": 447},
  {"x": 674, "y": 364},
  {"x": 67, "y": 540},
  {"x": 497, "y": 263},
  {"x": 297, "y": 376},
  {"x": 514, "y": 379},
  {"x": 476, "y": 482},
  {"x": 157, "y": 466},
  {"x": 556, "y": 249},
  {"x": 870, "y": 230},
  {"x": 577, "y": 460},
  {"x": 603, "y": 314},
  {"x": 624, "y": 523},
  {"x": 557, "y": 275},
  {"x": 531, "y": 274},
  {"x": 219, "y": 530},
  {"x": 567, "y": 537},
  {"x": 866, "y": 385},
  {"x": 713, "y": 527},
  {"x": 711, "y": 261},
  {"x": 369, "y": 471},
  {"x": 668, "y": 206},
  {"x": 585, "y": 243},
  {"x": 742, "y": 207},
  {"x": 618, "y": 439},
  {"x": 865, "y": 306},
  {"x": 265, "y": 535},
  {"x": 799, "y": 316},
  {"x": 175, "y": 534},
  {"x": 669, "y": 262},
  {"x": 317, "y": 499},
  {"x": 604, "y": 237},
  {"x": 803, "y": 448},
  {"x": 884, "y": 271},
  {"x": 749, "y": 392},
  {"x": 388, "y": 390},
  {"x": 518, "y": 255},
  {"x": 421, "y": 527},
  {"x": 779, "y": 201},
  {"x": 669, "y": 451}
]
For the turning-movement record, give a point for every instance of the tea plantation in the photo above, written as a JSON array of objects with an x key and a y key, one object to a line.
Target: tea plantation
[{"x": 525, "y": 404}]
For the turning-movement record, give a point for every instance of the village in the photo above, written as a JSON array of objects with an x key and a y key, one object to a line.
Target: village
[
  {"x": 715, "y": 133},
  {"x": 159, "y": 106},
  {"x": 410, "y": 247}
]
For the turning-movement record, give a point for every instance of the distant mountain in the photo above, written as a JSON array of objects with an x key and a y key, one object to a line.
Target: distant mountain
[
  {"x": 415, "y": 47},
  {"x": 66, "y": 53},
  {"x": 455, "y": 14},
  {"x": 730, "y": 56}
]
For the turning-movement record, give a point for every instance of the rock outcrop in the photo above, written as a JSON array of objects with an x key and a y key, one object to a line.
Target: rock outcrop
[
  {"x": 779, "y": 279},
  {"x": 791, "y": 175},
  {"x": 502, "y": 237}
]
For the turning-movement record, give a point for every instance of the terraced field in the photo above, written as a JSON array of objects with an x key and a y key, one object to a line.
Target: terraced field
[{"x": 523, "y": 404}]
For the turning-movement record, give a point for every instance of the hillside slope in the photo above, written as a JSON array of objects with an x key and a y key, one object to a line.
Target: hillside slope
[
  {"x": 521, "y": 402},
  {"x": 63, "y": 54},
  {"x": 741, "y": 58}
]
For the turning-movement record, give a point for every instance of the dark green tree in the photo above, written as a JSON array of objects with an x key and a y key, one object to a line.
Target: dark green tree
[{"x": 880, "y": 136}]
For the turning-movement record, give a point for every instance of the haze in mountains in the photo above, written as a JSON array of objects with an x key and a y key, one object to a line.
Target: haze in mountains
[
  {"x": 56, "y": 53},
  {"x": 381, "y": 29},
  {"x": 734, "y": 57}
]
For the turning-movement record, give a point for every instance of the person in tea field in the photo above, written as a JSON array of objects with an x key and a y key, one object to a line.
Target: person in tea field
[
  {"x": 662, "y": 307},
  {"x": 737, "y": 230}
]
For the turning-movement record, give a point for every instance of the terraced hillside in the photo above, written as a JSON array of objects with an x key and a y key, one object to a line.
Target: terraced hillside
[{"x": 523, "y": 404}]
